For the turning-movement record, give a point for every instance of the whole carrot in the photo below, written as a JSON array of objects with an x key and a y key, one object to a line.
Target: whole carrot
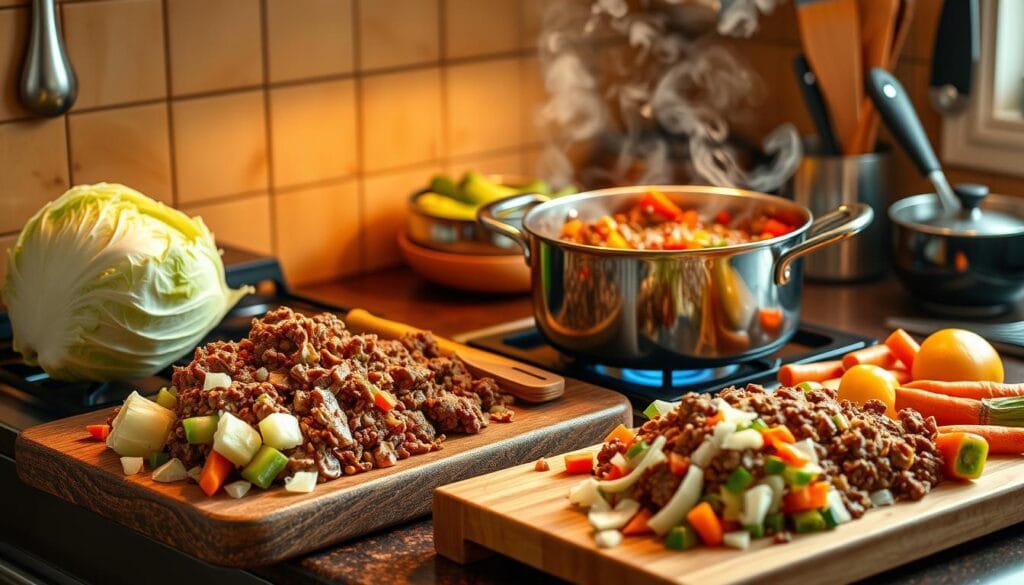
[
  {"x": 1001, "y": 440},
  {"x": 876, "y": 355},
  {"x": 976, "y": 390},
  {"x": 903, "y": 346},
  {"x": 902, "y": 376},
  {"x": 793, "y": 374},
  {"x": 947, "y": 410}
]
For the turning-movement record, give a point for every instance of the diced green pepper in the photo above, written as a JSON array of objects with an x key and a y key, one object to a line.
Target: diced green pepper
[
  {"x": 739, "y": 480},
  {"x": 199, "y": 430},
  {"x": 774, "y": 465},
  {"x": 831, "y": 520},
  {"x": 808, "y": 521},
  {"x": 841, "y": 422},
  {"x": 657, "y": 408},
  {"x": 809, "y": 386},
  {"x": 759, "y": 425},
  {"x": 157, "y": 458},
  {"x": 264, "y": 467},
  {"x": 732, "y": 504},
  {"x": 756, "y": 530},
  {"x": 636, "y": 449},
  {"x": 681, "y": 538},
  {"x": 775, "y": 522},
  {"x": 800, "y": 476},
  {"x": 166, "y": 399}
]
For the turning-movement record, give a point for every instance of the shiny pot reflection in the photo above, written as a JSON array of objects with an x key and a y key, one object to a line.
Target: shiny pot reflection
[{"x": 668, "y": 308}]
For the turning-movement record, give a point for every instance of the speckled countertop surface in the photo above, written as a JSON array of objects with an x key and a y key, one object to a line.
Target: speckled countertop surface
[{"x": 406, "y": 555}]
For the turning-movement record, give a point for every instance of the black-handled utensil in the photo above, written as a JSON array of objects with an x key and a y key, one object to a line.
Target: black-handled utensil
[
  {"x": 815, "y": 106},
  {"x": 956, "y": 51},
  {"x": 893, "y": 103}
]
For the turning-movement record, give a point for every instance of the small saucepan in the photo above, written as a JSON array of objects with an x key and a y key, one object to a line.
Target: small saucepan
[{"x": 959, "y": 250}]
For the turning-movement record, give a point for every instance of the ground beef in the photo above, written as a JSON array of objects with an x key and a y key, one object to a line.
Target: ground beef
[
  {"x": 314, "y": 368},
  {"x": 875, "y": 452}
]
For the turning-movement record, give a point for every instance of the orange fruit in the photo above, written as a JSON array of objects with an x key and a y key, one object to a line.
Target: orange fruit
[
  {"x": 866, "y": 382},
  {"x": 957, "y": 355}
]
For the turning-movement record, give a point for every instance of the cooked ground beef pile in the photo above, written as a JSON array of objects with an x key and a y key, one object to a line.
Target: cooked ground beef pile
[
  {"x": 874, "y": 453},
  {"x": 314, "y": 368}
]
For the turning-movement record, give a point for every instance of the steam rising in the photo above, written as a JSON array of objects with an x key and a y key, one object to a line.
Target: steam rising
[{"x": 639, "y": 94}]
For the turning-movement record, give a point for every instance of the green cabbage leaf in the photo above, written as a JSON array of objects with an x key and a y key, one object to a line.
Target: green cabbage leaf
[{"x": 105, "y": 284}]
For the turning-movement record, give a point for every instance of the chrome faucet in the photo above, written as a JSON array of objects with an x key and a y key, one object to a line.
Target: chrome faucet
[{"x": 48, "y": 84}]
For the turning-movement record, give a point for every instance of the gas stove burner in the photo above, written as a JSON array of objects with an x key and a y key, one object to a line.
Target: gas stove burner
[{"x": 669, "y": 378}]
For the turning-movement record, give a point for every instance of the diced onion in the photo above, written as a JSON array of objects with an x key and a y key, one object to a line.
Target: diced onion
[
  {"x": 739, "y": 539},
  {"x": 704, "y": 453},
  {"x": 131, "y": 465},
  {"x": 882, "y": 498},
  {"x": 806, "y": 447},
  {"x": 608, "y": 538},
  {"x": 742, "y": 440},
  {"x": 680, "y": 503},
  {"x": 778, "y": 487},
  {"x": 171, "y": 471},
  {"x": 281, "y": 431},
  {"x": 235, "y": 439},
  {"x": 756, "y": 502},
  {"x": 654, "y": 456},
  {"x": 721, "y": 431},
  {"x": 587, "y": 494},
  {"x": 216, "y": 380},
  {"x": 194, "y": 473},
  {"x": 140, "y": 427},
  {"x": 619, "y": 461},
  {"x": 838, "y": 508},
  {"x": 615, "y": 518},
  {"x": 301, "y": 482},
  {"x": 237, "y": 489}
]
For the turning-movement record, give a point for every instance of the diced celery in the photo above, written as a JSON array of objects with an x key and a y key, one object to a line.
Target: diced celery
[
  {"x": 775, "y": 522},
  {"x": 773, "y": 465},
  {"x": 301, "y": 482},
  {"x": 801, "y": 476},
  {"x": 264, "y": 467},
  {"x": 158, "y": 458},
  {"x": 759, "y": 425},
  {"x": 756, "y": 530},
  {"x": 809, "y": 386},
  {"x": 732, "y": 505},
  {"x": 235, "y": 439},
  {"x": 808, "y": 521},
  {"x": 681, "y": 538},
  {"x": 636, "y": 450},
  {"x": 199, "y": 430},
  {"x": 658, "y": 408},
  {"x": 841, "y": 422},
  {"x": 831, "y": 520},
  {"x": 738, "y": 480},
  {"x": 166, "y": 399},
  {"x": 281, "y": 431}
]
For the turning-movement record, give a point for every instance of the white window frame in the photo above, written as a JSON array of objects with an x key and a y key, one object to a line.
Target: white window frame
[{"x": 989, "y": 133}]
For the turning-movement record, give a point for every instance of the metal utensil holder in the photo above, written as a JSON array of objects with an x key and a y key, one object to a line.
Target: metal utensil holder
[{"x": 822, "y": 183}]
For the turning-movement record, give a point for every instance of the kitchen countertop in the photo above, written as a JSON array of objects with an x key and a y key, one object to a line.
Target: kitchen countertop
[{"x": 405, "y": 554}]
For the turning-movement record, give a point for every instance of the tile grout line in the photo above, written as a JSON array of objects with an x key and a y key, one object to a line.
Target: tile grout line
[
  {"x": 268, "y": 140},
  {"x": 360, "y": 175},
  {"x": 171, "y": 143}
]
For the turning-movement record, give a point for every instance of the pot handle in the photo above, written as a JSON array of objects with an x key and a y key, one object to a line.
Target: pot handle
[
  {"x": 489, "y": 216},
  {"x": 836, "y": 225}
]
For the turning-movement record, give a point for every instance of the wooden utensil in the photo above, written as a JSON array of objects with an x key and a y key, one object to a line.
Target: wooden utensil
[
  {"x": 829, "y": 32},
  {"x": 521, "y": 380},
  {"x": 877, "y": 26},
  {"x": 899, "y": 38}
]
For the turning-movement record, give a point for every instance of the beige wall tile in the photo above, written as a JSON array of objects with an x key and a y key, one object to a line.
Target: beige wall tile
[
  {"x": 214, "y": 45},
  {"x": 532, "y": 162},
  {"x": 398, "y": 32},
  {"x": 384, "y": 199},
  {"x": 124, "y": 145},
  {"x": 533, "y": 97},
  {"x": 240, "y": 223},
  {"x": 35, "y": 168},
  {"x": 532, "y": 21},
  {"x": 13, "y": 35},
  {"x": 313, "y": 130},
  {"x": 503, "y": 163},
  {"x": 401, "y": 115},
  {"x": 117, "y": 50},
  {"x": 481, "y": 27},
  {"x": 318, "y": 232},
  {"x": 309, "y": 38},
  {"x": 6, "y": 243},
  {"x": 483, "y": 106},
  {"x": 12, "y": 2},
  {"x": 219, "y": 146}
]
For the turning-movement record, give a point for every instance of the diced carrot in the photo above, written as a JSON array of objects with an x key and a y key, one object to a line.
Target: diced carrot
[
  {"x": 99, "y": 432},
  {"x": 215, "y": 472},
  {"x": 723, "y": 217},
  {"x": 615, "y": 472},
  {"x": 678, "y": 464},
  {"x": 713, "y": 419},
  {"x": 779, "y": 433},
  {"x": 770, "y": 319},
  {"x": 947, "y": 410},
  {"x": 812, "y": 497},
  {"x": 1001, "y": 440},
  {"x": 660, "y": 204},
  {"x": 976, "y": 390},
  {"x": 793, "y": 374},
  {"x": 876, "y": 355},
  {"x": 790, "y": 454},
  {"x": 903, "y": 346},
  {"x": 774, "y": 227},
  {"x": 576, "y": 463},
  {"x": 384, "y": 400},
  {"x": 638, "y": 523},
  {"x": 963, "y": 453},
  {"x": 571, "y": 228},
  {"x": 690, "y": 218},
  {"x": 622, "y": 433},
  {"x": 703, "y": 520}
]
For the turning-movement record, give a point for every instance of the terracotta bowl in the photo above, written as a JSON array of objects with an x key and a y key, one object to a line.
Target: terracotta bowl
[{"x": 504, "y": 273}]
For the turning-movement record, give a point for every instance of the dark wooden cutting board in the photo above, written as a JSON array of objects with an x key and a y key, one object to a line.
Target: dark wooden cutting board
[{"x": 266, "y": 526}]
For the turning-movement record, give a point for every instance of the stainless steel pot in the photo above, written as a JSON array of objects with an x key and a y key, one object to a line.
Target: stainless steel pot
[{"x": 668, "y": 308}]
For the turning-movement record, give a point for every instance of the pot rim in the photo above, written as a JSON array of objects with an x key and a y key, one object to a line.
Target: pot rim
[
  {"x": 929, "y": 198},
  {"x": 729, "y": 192}
]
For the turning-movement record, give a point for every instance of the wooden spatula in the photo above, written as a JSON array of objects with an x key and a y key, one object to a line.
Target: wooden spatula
[
  {"x": 830, "y": 34},
  {"x": 877, "y": 27},
  {"x": 899, "y": 38},
  {"x": 518, "y": 379}
]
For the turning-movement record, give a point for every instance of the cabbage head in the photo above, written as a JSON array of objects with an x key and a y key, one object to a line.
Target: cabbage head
[{"x": 104, "y": 284}]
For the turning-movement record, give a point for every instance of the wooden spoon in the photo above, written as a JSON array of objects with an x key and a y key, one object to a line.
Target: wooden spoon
[
  {"x": 518, "y": 379},
  {"x": 877, "y": 27},
  {"x": 829, "y": 32}
]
